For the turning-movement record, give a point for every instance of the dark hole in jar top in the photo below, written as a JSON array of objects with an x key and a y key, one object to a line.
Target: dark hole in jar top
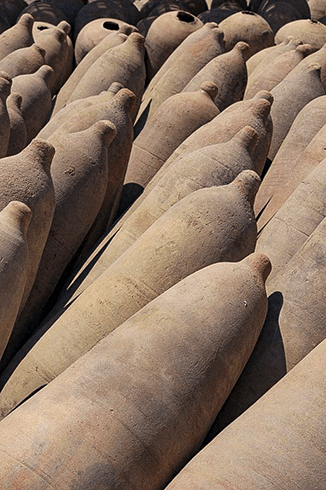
[
  {"x": 112, "y": 26},
  {"x": 185, "y": 17}
]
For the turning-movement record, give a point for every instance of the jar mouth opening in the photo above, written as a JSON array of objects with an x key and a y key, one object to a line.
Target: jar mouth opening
[
  {"x": 185, "y": 17},
  {"x": 111, "y": 26}
]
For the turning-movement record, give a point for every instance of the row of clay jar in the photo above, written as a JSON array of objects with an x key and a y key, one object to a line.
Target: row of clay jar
[{"x": 186, "y": 219}]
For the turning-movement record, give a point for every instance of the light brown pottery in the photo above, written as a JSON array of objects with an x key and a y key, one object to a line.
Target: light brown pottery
[
  {"x": 207, "y": 226},
  {"x": 136, "y": 401},
  {"x": 14, "y": 221}
]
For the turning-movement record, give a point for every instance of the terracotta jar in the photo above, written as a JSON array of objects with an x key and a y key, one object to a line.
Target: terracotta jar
[
  {"x": 71, "y": 110},
  {"x": 313, "y": 154},
  {"x": 18, "y": 36},
  {"x": 264, "y": 57},
  {"x": 248, "y": 27},
  {"x": 229, "y": 72},
  {"x": 317, "y": 9},
  {"x": 193, "y": 53},
  {"x": 208, "y": 166},
  {"x": 23, "y": 61},
  {"x": 79, "y": 172},
  {"x": 122, "y": 10},
  {"x": 303, "y": 129},
  {"x": 254, "y": 112},
  {"x": 67, "y": 89},
  {"x": 5, "y": 87},
  {"x": 298, "y": 88},
  {"x": 295, "y": 221},
  {"x": 283, "y": 427},
  {"x": 26, "y": 177},
  {"x": 306, "y": 30},
  {"x": 58, "y": 50},
  {"x": 136, "y": 397},
  {"x": 111, "y": 67},
  {"x": 118, "y": 110},
  {"x": 18, "y": 132},
  {"x": 94, "y": 32},
  {"x": 207, "y": 226},
  {"x": 36, "y": 104},
  {"x": 318, "y": 57},
  {"x": 164, "y": 36},
  {"x": 293, "y": 326},
  {"x": 177, "y": 118},
  {"x": 276, "y": 71},
  {"x": 14, "y": 221}
]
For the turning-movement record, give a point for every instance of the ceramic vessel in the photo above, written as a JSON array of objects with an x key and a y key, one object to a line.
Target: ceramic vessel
[
  {"x": 189, "y": 236},
  {"x": 161, "y": 430}
]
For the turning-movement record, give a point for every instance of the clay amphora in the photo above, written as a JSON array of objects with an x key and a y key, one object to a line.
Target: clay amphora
[
  {"x": 167, "y": 429},
  {"x": 276, "y": 71},
  {"x": 14, "y": 221},
  {"x": 313, "y": 154},
  {"x": 162, "y": 8},
  {"x": 23, "y": 61},
  {"x": 317, "y": 9},
  {"x": 229, "y": 72},
  {"x": 214, "y": 41},
  {"x": 298, "y": 88},
  {"x": 18, "y": 36},
  {"x": 207, "y": 226},
  {"x": 5, "y": 87},
  {"x": 284, "y": 427},
  {"x": 295, "y": 324},
  {"x": 65, "y": 92},
  {"x": 18, "y": 133},
  {"x": 248, "y": 27},
  {"x": 80, "y": 173},
  {"x": 26, "y": 177},
  {"x": 118, "y": 110},
  {"x": 164, "y": 36},
  {"x": 122, "y": 10},
  {"x": 94, "y": 32},
  {"x": 301, "y": 213},
  {"x": 208, "y": 166},
  {"x": 111, "y": 67},
  {"x": 43, "y": 11},
  {"x": 58, "y": 50},
  {"x": 36, "y": 104},
  {"x": 264, "y": 57},
  {"x": 303, "y": 129},
  {"x": 74, "y": 108},
  {"x": 319, "y": 57},
  {"x": 11, "y": 9},
  {"x": 306, "y": 30},
  {"x": 254, "y": 112},
  {"x": 278, "y": 13},
  {"x": 177, "y": 118},
  {"x": 187, "y": 59}
]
